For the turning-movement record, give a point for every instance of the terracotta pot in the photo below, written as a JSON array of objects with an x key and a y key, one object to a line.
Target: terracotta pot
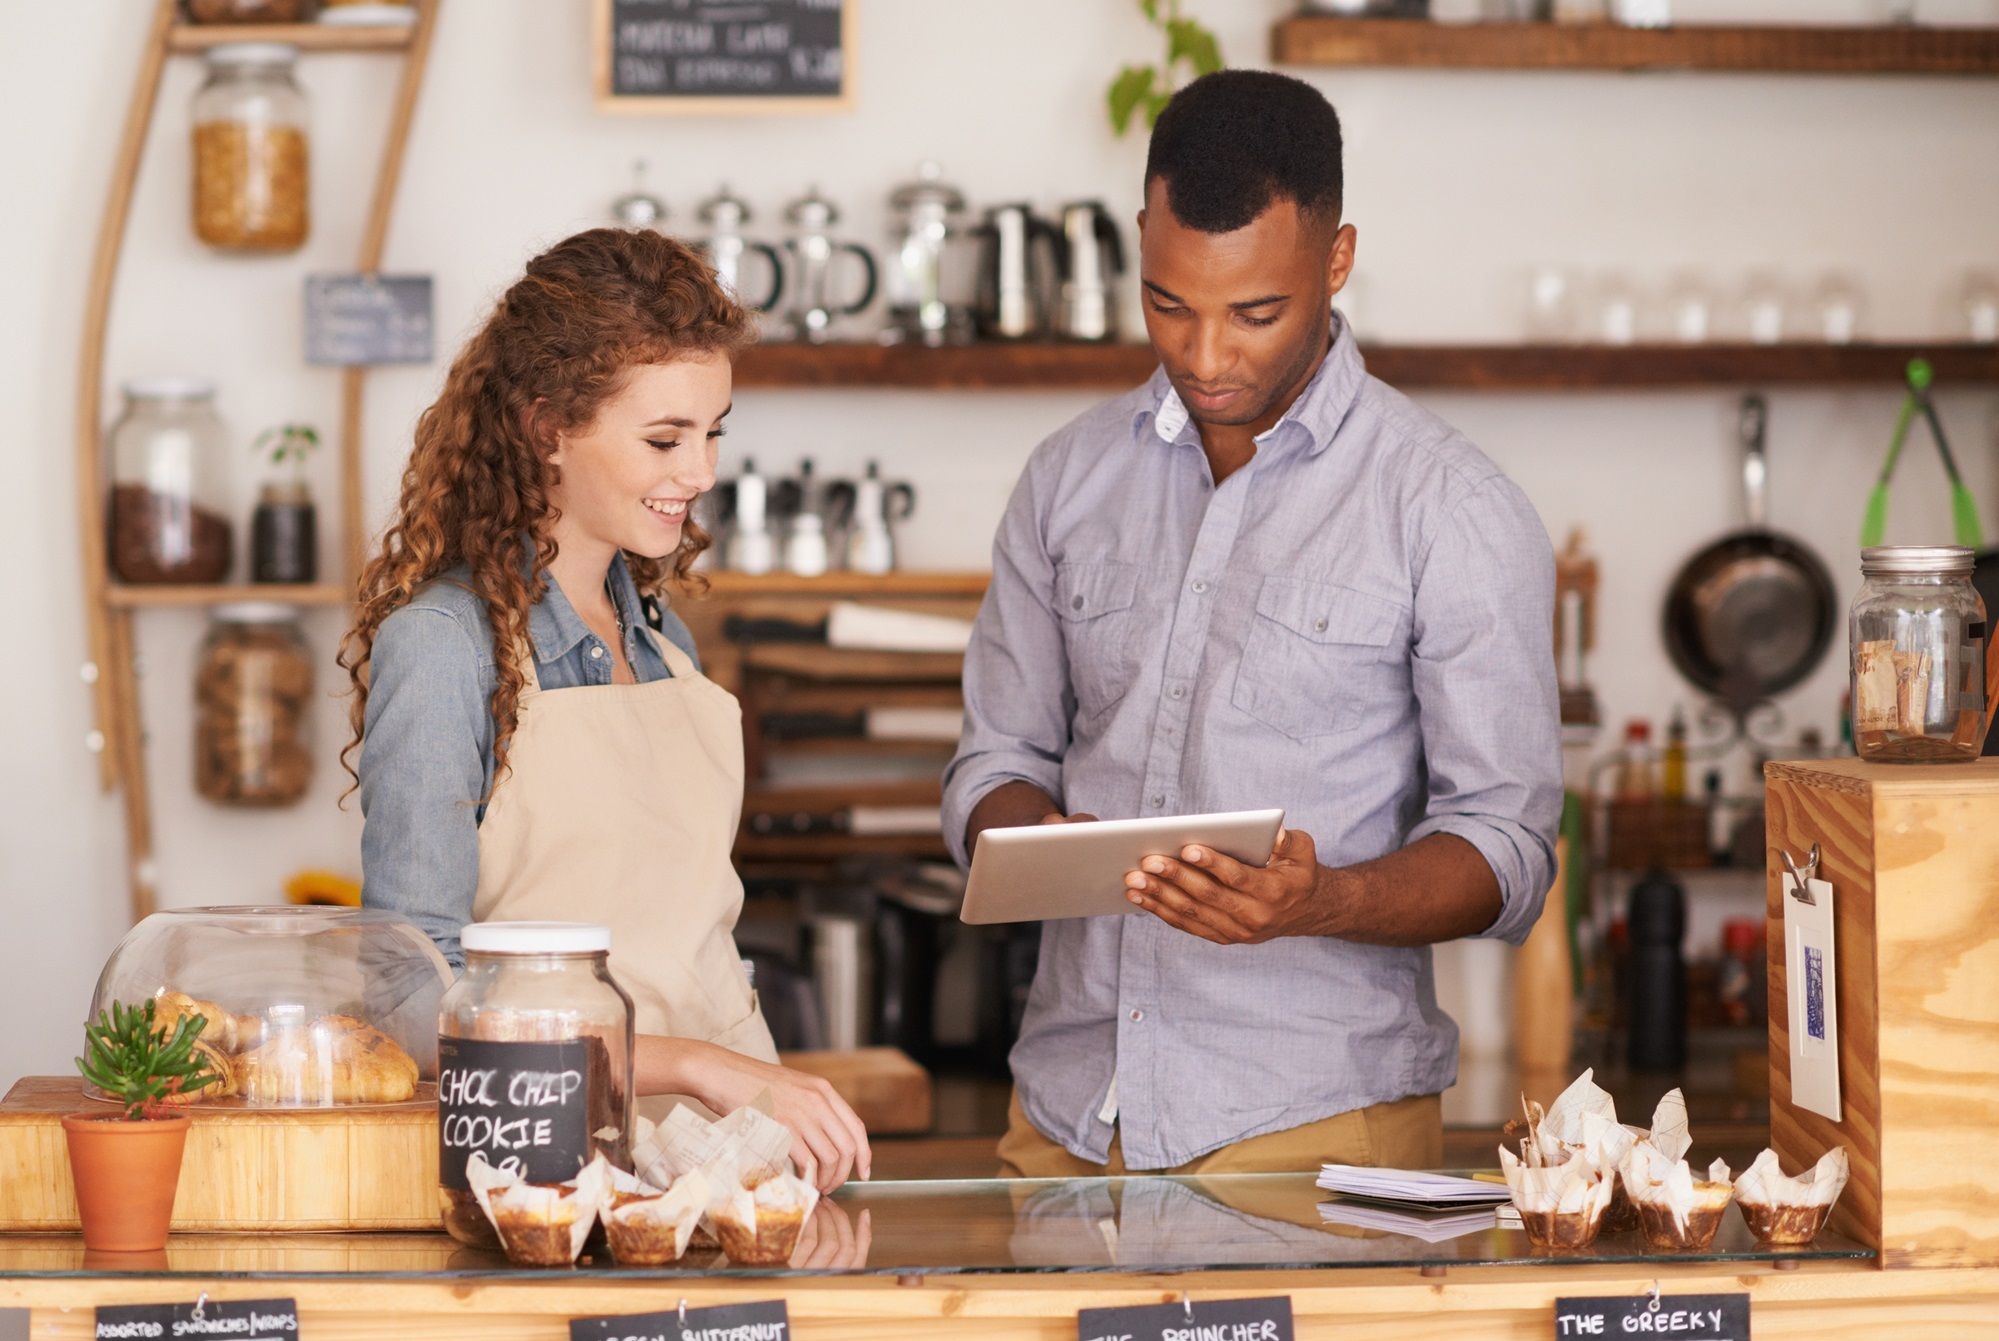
[{"x": 126, "y": 1174}]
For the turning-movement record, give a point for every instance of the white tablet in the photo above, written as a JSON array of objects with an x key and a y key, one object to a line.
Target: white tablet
[{"x": 1037, "y": 872}]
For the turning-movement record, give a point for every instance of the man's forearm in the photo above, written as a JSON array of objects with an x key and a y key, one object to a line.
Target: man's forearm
[
  {"x": 1006, "y": 806},
  {"x": 1438, "y": 888}
]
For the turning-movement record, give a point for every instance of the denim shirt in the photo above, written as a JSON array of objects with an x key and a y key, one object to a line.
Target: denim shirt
[{"x": 427, "y": 743}]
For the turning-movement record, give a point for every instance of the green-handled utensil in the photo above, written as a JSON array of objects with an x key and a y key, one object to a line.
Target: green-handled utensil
[{"x": 1963, "y": 507}]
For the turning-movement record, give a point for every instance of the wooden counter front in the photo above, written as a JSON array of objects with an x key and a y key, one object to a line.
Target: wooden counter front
[{"x": 1822, "y": 1301}]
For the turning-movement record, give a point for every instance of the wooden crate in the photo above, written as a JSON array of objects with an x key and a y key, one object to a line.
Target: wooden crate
[
  {"x": 1912, "y": 852},
  {"x": 258, "y": 1170}
]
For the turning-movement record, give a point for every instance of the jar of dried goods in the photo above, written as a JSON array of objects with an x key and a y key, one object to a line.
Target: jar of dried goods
[
  {"x": 250, "y": 161},
  {"x": 1918, "y": 635},
  {"x": 250, "y": 11},
  {"x": 167, "y": 520},
  {"x": 253, "y": 702},
  {"x": 534, "y": 1061},
  {"x": 284, "y": 528}
]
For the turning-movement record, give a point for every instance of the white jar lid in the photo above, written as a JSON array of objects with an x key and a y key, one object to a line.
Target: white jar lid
[
  {"x": 535, "y": 938},
  {"x": 252, "y": 53},
  {"x": 168, "y": 388},
  {"x": 255, "y": 612},
  {"x": 1916, "y": 560}
]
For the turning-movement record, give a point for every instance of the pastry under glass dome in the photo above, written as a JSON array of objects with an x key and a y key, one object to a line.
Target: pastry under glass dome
[{"x": 307, "y": 1007}]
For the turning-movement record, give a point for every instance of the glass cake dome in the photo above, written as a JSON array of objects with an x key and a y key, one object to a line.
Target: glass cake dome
[{"x": 306, "y": 1007}]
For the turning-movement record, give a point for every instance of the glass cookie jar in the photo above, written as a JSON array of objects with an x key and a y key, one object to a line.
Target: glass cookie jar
[
  {"x": 253, "y": 707},
  {"x": 534, "y": 1062},
  {"x": 251, "y": 169},
  {"x": 1918, "y": 637}
]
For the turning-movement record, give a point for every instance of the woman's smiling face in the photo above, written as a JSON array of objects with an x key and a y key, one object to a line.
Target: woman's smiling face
[{"x": 627, "y": 479}]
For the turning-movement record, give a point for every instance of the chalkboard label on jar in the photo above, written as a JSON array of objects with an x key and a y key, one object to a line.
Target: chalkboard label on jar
[{"x": 524, "y": 1106}]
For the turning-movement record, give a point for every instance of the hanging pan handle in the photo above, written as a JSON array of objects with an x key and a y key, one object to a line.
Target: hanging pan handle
[{"x": 1755, "y": 465}]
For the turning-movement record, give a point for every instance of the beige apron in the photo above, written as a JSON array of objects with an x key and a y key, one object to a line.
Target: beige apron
[{"x": 620, "y": 807}]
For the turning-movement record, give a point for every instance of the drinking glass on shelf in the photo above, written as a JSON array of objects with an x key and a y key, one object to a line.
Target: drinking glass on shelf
[
  {"x": 1689, "y": 309},
  {"x": 1551, "y": 305},
  {"x": 1981, "y": 307},
  {"x": 1763, "y": 309},
  {"x": 1839, "y": 308},
  {"x": 1616, "y": 311}
]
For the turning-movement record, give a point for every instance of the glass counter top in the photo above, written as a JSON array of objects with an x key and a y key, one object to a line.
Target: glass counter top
[{"x": 1136, "y": 1224}]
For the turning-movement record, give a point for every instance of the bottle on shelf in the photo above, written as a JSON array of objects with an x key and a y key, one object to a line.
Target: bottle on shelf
[
  {"x": 1634, "y": 772},
  {"x": 1673, "y": 765},
  {"x": 1720, "y": 836},
  {"x": 284, "y": 528},
  {"x": 1741, "y": 945},
  {"x": 1656, "y": 921}
]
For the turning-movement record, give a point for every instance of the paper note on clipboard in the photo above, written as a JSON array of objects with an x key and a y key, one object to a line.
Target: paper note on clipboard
[{"x": 1811, "y": 986}]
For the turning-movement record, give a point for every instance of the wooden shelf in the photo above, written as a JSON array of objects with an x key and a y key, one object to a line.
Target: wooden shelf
[
  {"x": 194, "y": 38},
  {"x": 224, "y": 593},
  {"x": 912, "y": 583},
  {"x": 1469, "y": 367},
  {"x": 1325, "y": 40}
]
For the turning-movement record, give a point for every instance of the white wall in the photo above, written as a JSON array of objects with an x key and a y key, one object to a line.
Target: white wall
[{"x": 1458, "y": 183}]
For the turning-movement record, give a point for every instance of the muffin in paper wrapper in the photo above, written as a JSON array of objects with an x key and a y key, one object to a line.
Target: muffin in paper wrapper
[
  {"x": 540, "y": 1224},
  {"x": 1677, "y": 1212},
  {"x": 1790, "y": 1211},
  {"x": 758, "y": 1223},
  {"x": 1584, "y": 1118},
  {"x": 650, "y": 1227},
  {"x": 1560, "y": 1205}
]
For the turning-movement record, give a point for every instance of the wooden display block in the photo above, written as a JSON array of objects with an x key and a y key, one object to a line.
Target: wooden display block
[
  {"x": 263, "y": 1170},
  {"x": 889, "y": 1092},
  {"x": 1912, "y": 852}
]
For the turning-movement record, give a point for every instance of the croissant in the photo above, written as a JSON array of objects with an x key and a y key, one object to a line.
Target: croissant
[{"x": 337, "y": 1059}]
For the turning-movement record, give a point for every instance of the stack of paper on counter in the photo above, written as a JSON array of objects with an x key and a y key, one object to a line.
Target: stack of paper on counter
[
  {"x": 1429, "y": 1228},
  {"x": 1410, "y": 1187}
]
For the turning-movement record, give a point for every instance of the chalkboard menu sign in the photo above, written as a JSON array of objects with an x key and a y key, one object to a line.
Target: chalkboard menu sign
[
  {"x": 363, "y": 320},
  {"x": 219, "y": 1319},
  {"x": 724, "y": 55},
  {"x": 1686, "y": 1317}
]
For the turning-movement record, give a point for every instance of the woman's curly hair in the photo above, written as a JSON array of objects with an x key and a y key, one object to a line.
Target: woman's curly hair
[{"x": 558, "y": 345}]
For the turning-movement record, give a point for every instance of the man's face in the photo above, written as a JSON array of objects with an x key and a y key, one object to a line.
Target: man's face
[{"x": 1240, "y": 319}]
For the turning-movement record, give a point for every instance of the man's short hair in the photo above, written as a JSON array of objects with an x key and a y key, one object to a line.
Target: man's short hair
[{"x": 1231, "y": 142}]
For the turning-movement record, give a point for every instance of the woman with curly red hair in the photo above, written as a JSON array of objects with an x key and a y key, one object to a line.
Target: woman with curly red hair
[{"x": 530, "y": 748}]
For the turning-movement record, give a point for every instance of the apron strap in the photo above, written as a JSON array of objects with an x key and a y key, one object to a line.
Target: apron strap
[{"x": 678, "y": 662}]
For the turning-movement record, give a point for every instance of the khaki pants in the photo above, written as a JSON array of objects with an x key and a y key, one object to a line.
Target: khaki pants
[{"x": 1404, "y": 1134}]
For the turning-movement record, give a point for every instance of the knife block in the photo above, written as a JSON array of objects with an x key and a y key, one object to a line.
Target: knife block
[{"x": 1912, "y": 852}]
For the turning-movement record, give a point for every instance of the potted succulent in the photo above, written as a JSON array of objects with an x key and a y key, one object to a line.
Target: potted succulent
[
  {"x": 284, "y": 529},
  {"x": 127, "y": 1165}
]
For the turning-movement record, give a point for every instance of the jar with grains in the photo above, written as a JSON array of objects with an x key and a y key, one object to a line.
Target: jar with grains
[
  {"x": 166, "y": 521},
  {"x": 1918, "y": 636},
  {"x": 250, "y": 11},
  {"x": 253, "y": 702},
  {"x": 534, "y": 1054},
  {"x": 251, "y": 175}
]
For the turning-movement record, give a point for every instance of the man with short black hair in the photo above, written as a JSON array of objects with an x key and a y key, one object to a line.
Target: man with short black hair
[{"x": 1263, "y": 579}]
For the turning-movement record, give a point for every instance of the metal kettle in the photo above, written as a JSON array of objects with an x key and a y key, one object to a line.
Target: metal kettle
[
  {"x": 1018, "y": 258},
  {"x": 925, "y": 301},
  {"x": 725, "y": 246},
  {"x": 813, "y": 249},
  {"x": 1091, "y": 258}
]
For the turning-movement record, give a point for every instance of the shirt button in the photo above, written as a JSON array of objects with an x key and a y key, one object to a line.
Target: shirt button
[
  {"x": 1137, "y": 1015},
  {"x": 597, "y": 651},
  {"x": 1318, "y": 626},
  {"x": 1200, "y": 587},
  {"x": 1178, "y": 691},
  {"x": 1076, "y": 604},
  {"x": 1158, "y": 801}
]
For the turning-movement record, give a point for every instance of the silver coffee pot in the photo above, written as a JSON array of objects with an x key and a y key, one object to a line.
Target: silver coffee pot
[
  {"x": 876, "y": 506},
  {"x": 812, "y": 249},
  {"x": 725, "y": 247},
  {"x": 1091, "y": 259},
  {"x": 1018, "y": 252},
  {"x": 928, "y": 299}
]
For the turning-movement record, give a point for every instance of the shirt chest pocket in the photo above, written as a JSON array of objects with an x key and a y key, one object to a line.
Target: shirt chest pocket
[
  {"x": 1316, "y": 655},
  {"x": 1093, "y": 599}
]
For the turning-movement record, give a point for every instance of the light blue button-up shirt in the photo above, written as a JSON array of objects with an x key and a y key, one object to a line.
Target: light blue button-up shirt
[
  {"x": 427, "y": 748},
  {"x": 1354, "y": 626}
]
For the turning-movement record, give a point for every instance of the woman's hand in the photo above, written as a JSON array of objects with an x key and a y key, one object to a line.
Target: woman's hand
[
  {"x": 832, "y": 1242},
  {"x": 820, "y": 1120}
]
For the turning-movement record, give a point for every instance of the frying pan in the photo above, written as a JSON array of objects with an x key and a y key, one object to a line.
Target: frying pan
[{"x": 1753, "y": 613}]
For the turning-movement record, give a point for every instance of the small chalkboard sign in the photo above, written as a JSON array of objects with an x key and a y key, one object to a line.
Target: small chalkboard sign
[
  {"x": 524, "y": 1106},
  {"x": 724, "y": 55},
  {"x": 762, "y": 1321},
  {"x": 359, "y": 320},
  {"x": 222, "y": 1319},
  {"x": 1684, "y": 1317},
  {"x": 1214, "y": 1320}
]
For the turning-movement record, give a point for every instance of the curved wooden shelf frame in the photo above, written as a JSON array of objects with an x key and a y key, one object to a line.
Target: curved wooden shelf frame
[{"x": 111, "y": 669}]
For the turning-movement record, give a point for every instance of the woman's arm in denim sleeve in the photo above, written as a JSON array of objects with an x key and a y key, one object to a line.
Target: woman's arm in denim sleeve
[{"x": 423, "y": 766}]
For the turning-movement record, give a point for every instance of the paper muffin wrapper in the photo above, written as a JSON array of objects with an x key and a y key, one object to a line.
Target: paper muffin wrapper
[{"x": 538, "y": 1224}]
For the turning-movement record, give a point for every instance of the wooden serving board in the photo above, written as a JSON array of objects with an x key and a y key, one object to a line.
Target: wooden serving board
[{"x": 263, "y": 1170}]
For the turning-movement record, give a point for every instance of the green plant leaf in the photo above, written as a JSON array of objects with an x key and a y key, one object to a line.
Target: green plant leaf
[
  {"x": 1155, "y": 103},
  {"x": 140, "y": 1065},
  {"x": 1189, "y": 41},
  {"x": 1150, "y": 8},
  {"x": 1133, "y": 86}
]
